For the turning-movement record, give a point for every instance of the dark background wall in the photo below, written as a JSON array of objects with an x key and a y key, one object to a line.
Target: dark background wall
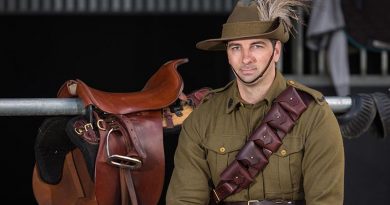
[{"x": 119, "y": 54}]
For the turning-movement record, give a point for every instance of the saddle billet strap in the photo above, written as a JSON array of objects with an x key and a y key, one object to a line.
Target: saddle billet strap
[{"x": 264, "y": 140}]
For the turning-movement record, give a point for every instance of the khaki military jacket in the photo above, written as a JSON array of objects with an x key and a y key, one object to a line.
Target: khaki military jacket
[{"x": 309, "y": 165}]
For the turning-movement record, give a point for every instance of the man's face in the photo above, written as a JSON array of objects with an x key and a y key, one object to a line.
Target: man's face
[{"x": 250, "y": 57}]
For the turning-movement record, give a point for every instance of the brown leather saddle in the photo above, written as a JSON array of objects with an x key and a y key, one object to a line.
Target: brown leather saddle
[{"x": 115, "y": 153}]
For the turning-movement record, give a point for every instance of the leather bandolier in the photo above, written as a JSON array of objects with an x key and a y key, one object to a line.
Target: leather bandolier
[{"x": 263, "y": 141}]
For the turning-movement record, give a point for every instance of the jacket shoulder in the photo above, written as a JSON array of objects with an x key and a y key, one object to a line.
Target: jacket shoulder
[
  {"x": 317, "y": 96},
  {"x": 214, "y": 92}
]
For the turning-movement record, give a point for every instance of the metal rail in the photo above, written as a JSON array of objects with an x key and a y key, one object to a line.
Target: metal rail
[
  {"x": 41, "y": 106},
  {"x": 17, "y": 7},
  {"x": 74, "y": 106}
]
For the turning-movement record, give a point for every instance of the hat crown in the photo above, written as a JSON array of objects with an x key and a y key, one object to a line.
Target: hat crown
[
  {"x": 244, "y": 13},
  {"x": 268, "y": 19}
]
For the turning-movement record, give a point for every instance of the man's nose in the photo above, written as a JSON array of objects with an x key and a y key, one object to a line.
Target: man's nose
[{"x": 247, "y": 57}]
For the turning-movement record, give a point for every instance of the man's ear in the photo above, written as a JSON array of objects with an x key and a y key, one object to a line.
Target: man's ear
[{"x": 277, "y": 51}]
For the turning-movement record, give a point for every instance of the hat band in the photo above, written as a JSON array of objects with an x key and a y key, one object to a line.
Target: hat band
[{"x": 243, "y": 29}]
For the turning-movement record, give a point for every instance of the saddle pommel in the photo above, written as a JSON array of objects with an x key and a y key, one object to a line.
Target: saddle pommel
[{"x": 161, "y": 90}]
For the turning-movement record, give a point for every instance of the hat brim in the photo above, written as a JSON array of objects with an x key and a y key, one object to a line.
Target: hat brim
[{"x": 278, "y": 33}]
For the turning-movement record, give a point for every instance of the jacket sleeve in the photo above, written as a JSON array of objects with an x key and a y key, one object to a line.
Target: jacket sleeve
[
  {"x": 189, "y": 181},
  {"x": 323, "y": 161}
]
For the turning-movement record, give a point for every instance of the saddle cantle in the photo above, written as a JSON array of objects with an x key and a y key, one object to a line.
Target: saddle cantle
[{"x": 129, "y": 165}]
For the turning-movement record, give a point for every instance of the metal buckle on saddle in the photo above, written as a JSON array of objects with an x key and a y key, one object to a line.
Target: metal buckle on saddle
[{"x": 89, "y": 115}]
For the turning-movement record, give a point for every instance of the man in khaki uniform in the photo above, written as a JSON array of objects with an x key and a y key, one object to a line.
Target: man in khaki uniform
[{"x": 308, "y": 168}]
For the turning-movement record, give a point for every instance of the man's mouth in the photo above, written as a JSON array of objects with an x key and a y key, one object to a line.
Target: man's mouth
[{"x": 247, "y": 70}]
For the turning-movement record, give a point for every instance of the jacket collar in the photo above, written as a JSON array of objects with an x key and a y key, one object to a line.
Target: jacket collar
[{"x": 233, "y": 97}]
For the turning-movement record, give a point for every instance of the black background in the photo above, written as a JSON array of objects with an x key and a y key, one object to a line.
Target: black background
[{"x": 118, "y": 54}]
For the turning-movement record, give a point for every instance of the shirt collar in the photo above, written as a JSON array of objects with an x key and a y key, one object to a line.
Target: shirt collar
[{"x": 233, "y": 99}]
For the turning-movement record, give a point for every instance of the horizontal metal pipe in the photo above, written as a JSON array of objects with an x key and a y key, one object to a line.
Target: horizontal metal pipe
[
  {"x": 339, "y": 104},
  {"x": 74, "y": 106},
  {"x": 41, "y": 106}
]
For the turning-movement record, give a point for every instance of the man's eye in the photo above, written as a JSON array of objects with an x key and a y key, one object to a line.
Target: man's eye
[
  {"x": 235, "y": 48},
  {"x": 257, "y": 46}
]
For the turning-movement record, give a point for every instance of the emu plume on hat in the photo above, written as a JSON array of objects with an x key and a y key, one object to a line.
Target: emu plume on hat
[{"x": 269, "y": 19}]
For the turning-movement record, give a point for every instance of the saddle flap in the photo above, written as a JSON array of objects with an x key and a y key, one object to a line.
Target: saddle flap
[{"x": 148, "y": 179}]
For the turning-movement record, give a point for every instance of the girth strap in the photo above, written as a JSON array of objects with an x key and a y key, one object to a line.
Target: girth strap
[{"x": 264, "y": 140}]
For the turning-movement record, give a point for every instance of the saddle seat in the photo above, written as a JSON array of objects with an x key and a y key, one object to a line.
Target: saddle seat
[{"x": 161, "y": 90}]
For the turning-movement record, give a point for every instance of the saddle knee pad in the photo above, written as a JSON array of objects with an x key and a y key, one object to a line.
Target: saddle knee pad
[
  {"x": 382, "y": 120},
  {"x": 51, "y": 146},
  {"x": 358, "y": 118},
  {"x": 88, "y": 147}
]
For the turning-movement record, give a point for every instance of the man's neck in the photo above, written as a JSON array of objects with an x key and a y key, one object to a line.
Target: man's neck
[{"x": 255, "y": 93}]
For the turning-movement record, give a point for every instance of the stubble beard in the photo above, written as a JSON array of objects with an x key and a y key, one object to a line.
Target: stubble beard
[
  {"x": 261, "y": 74},
  {"x": 250, "y": 82}
]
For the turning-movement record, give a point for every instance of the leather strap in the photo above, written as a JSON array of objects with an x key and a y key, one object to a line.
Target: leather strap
[
  {"x": 124, "y": 191},
  {"x": 264, "y": 202},
  {"x": 119, "y": 141},
  {"x": 127, "y": 184},
  {"x": 264, "y": 140},
  {"x": 130, "y": 188},
  {"x": 127, "y": 188}
]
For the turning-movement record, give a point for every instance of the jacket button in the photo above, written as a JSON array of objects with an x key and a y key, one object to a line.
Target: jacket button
[
  {"x": 222, "y": 149},
  {"x": 283, "y": 152},
  {"x": 291, "y": 82}
]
